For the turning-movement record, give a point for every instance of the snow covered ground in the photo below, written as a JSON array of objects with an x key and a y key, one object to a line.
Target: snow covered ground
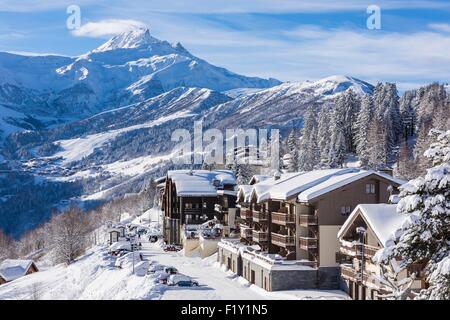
[{"x": 94, "y": 276}]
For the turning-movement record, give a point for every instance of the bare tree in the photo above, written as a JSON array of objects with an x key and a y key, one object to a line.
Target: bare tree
[{"x": 69, "y": 234}]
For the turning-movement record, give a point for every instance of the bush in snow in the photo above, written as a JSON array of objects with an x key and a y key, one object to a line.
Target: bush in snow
[{"x": 425, "y": 236}]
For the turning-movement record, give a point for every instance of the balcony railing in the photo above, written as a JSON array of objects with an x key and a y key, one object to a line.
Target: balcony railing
[
  {"x": 259, "y": 216},
  {"x": 307, "y": 243},
  {"x": 307, "y": 220},
  {"x": 246, "y": 214},
  {"x": 260, "y": 236},
  {"x": 246, "y": 232},
  {"x": 192, "y": 211},
  {"x": 283, "y": 218},
  {"x": 282, "y": 240},
  {"x": 349, "y": 273},
  {"x": 356, "y": 250}
]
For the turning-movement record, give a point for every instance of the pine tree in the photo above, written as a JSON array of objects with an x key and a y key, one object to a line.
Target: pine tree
[
  {"x": 362, "y": 124},
  {"x": 308, "y": 151},
  {"x": 338, "y": 142},
  {"x": 408, "y": 104},
  {"x": 292, "y": 143},
  {"x": 376, "y": 137},
  {"x": 387, "y": 112},
  {"x": 323, "y": 134},
  {"x": 425, "y": 236},
  {"x": 351, "y": 105}
]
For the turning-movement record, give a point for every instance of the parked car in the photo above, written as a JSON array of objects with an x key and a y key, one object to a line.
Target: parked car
[
  {"x": 126, "y": 260},
  {"x": 119, "y": 246},
  {"x": 181, "y": 281},
  {"x": 172, "y": 247},
  {"x": 162, "y": 277},
  {"x": 170, "y": 270},
  {"x": 156, "y": 267}
]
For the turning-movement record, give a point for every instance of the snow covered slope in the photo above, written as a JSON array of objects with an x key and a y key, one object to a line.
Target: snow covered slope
[{"x": 283, "y": 105}]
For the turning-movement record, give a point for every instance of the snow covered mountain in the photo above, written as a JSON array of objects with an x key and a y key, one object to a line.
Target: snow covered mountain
[
  {"x": 116, "y": 151},
  {"x": 128, "y": 68},
  {"x": 282, "y": 106},
  {"x": 96, "y": 126}
]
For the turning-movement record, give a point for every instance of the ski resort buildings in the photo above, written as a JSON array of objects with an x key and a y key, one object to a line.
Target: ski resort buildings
[
  {"x": 368, "y": 229},
  {"x": 289, "y": 223},
  {"x": 193, "y": 197}
]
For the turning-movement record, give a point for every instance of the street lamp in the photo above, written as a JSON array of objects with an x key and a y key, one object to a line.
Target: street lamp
[{"x": 362, "y": 232}]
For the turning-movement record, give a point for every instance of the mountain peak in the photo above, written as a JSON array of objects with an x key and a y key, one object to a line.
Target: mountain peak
[{"x": 136, "y": 38}]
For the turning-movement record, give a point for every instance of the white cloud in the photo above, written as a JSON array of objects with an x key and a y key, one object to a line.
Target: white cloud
[
  {"x": 441, "y": 27},
  {"x": 106, "y": 28},
  {"x": 311, "y": 52}
]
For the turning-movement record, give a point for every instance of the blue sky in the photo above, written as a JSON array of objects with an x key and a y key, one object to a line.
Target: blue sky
[{"x": 291, "y": 40}]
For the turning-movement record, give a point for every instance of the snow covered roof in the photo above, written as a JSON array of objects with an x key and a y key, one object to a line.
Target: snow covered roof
[
  {"x": 200, "y": 182},
  {"x": 258, "y": 178},
  {"x": 244, "y": 191},
  {"x": 382, "y": 218},
  {"x": 11, "y": 269},
  {"x": 312, "y": 184}
]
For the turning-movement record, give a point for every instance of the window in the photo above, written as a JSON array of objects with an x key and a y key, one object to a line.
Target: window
[
  {"x": 188, "y": 205},
  {"x": 346, "y": 210},
  {"x": 370, "y": 188}
]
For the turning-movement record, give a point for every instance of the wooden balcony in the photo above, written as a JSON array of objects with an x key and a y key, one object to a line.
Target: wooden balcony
[
  {"x": 246, "y": 232},
  {"x": 246, "y": 214},
  {"x": 283, "y": 218},
  {"x": 259, "y": 216},
  {"x": 192, "y": 211},
  {"x": 357, "y": 249},
  {"x": 282, "y": 240},
  {"x": 349, "y": 273},
  {"x": 260, "y": 236},
  {"x": 307, "y": 220},
  {"x": 307, "y": 243}
]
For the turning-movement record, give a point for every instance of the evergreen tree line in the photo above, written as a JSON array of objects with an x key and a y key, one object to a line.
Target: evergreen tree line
[{"x": 380, "y": 129}]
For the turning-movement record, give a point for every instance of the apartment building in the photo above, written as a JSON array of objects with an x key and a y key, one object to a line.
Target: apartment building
[
  {"x": 193, "y": 197},
  {"x": 296, "y": 216},
  {"x": 368, "y": 229}
]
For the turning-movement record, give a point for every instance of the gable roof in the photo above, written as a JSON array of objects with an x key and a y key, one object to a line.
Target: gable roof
[
  {"x": 383, "y": 219},
  {"x": 11, "y": 269},
  {"x": 307, "y": 186},
  {"x": 193, "y": 183}
]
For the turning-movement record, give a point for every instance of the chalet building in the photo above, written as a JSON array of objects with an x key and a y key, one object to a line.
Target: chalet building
[
  {"x": 12, "y": 269},
  {"x": 369, "y": 228},
  {"x": 192, "y": 197},
  {"x": 296, "y": 216}
]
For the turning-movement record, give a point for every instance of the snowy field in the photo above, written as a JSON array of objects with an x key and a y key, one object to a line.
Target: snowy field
[{"x": 94, "y": 276}]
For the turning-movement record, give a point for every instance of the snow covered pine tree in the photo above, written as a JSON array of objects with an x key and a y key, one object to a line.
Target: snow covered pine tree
[{"x": 425, "y": 236}]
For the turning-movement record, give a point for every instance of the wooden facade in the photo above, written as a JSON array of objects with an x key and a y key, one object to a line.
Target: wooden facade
[
  {"x": 308, "y": 231},
  {"x": 361, "y": 276},
  {"x": 184, "y": 210}
]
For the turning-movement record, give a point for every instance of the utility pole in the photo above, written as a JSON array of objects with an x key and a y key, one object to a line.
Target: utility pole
[
  {"x": 132, "y": 249},
  {"x": 362, "y": 232}
]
